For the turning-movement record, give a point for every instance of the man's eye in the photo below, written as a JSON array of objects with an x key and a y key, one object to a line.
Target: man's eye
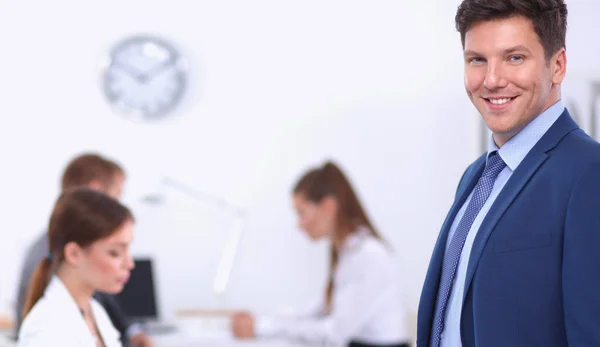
[{"x": 516, "y": 58}]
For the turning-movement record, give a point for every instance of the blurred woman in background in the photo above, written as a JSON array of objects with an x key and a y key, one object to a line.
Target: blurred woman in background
[
  {"x": 362, "y": 305},
  {"x": 89, "y": 236}
]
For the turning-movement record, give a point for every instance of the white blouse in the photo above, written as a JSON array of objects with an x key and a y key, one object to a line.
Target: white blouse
[
  {"x": 367, "y": 303},
  {"x": 55, "y": 320}
]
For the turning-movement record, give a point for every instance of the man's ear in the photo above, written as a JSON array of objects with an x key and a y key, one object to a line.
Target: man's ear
[
  {"x": 559, "y": 63},
  {"x": 96, "y": 185},
  {"x": 73, "y": 253}
]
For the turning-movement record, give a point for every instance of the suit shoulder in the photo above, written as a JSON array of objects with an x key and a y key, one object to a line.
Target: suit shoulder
[
  {"x": 36, "y": 251},
  {"x": 578, "y": 150}
]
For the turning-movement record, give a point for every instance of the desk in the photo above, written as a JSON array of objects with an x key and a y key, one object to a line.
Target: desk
[
  {"x": 187, "y": 336},
  {"x": 172, "y": 340},
  {"x": 6, "y": 329},
  {"x": 213, "y": 332}
]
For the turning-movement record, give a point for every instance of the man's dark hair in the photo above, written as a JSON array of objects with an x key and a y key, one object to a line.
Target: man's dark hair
[
  {"x": 89, "y": 167},
  {"x": 549, "y": 18}
]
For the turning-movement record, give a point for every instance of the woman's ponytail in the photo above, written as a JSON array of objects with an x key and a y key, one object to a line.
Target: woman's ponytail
[{"x": 37, "y": 284}]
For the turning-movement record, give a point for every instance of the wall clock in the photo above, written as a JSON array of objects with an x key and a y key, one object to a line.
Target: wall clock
[{"x": 144, "y": 77}]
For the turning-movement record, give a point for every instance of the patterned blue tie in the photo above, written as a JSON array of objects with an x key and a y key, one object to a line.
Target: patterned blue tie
[{"x": 482, "y": 191}]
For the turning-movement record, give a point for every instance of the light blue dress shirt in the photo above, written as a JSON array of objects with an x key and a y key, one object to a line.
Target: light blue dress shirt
[{"x": 512, "y": 153}]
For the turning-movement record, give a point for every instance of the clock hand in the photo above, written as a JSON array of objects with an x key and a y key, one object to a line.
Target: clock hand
[
  {"x": 130, "y": 71},
  {"x": 146, "y": 76}
]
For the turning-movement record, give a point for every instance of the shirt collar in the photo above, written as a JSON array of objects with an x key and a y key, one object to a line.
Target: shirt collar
[
  {"x": 514, "y": 151},
  {"x": 58, "y": 290},
  {"x": 355, "y": 238}
]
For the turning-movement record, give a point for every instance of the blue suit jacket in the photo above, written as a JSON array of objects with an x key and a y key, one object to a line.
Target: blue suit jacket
[{"x": 533, "y": 277}]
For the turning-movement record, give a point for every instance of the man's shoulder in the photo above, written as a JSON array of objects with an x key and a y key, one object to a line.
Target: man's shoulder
[
  {"x": 37, "y": 250},
  {"x": 40, "y": 242},
  {"x": 576, "y": 151}
]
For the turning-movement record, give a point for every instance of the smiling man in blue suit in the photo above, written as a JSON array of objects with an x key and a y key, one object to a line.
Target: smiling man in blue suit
[{"x": 517, "y": 261}]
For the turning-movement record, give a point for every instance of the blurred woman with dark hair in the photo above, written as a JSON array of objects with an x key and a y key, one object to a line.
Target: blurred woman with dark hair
[
  {"x": 362, "y": 305},
  {"x": 89, "y": 236}
]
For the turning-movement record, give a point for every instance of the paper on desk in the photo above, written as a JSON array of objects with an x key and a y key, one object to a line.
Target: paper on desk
[{"x": 208, "y": 328}]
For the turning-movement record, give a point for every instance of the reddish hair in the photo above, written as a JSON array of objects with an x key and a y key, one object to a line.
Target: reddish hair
[{"x": 80, "y": 215}]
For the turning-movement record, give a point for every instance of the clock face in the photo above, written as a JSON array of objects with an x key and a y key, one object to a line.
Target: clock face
[{"x": 144, "y": 78}]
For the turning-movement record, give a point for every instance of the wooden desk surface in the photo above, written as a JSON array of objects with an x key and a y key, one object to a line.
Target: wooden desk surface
[{"x": 6, "y": 323}]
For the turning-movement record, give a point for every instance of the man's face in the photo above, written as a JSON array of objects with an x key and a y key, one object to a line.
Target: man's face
[
  {"x": 507, "y": 76},
  {"x": 115, "y": 189}
]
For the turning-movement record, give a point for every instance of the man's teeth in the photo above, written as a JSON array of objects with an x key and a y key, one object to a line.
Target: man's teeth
[{"x": 500, "y": 101}]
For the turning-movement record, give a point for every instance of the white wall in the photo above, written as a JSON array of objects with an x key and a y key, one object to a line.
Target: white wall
[{"x": 377, "y": 86}]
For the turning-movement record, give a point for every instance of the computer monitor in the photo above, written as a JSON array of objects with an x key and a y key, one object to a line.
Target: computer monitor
[{"x": 138, "y": 298}]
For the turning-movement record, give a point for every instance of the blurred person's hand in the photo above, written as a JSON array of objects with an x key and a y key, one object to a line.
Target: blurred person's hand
[
  {"x": 140, "y": 340},
  {"x": 242, "y": 325}
]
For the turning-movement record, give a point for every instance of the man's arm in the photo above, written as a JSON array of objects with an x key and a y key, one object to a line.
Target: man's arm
[
  {"x": 581, "y": 261},
  {"x": 34, "y": 255}
]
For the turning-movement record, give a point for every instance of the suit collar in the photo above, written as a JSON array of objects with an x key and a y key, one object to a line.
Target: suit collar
[
  {"x": 563, "y": 125},
  {"x": 355, "y": 239}
]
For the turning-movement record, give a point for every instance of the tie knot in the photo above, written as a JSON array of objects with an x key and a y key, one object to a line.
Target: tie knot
[{"x": 494, "y": 165}]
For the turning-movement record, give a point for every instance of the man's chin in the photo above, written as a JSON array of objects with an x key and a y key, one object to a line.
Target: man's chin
[{"x": 500, "y": 124}]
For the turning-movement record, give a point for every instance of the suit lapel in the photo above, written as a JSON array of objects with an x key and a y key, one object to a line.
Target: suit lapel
[
  {"x": 514, "y": 185},
  {"x": 431, "y": 284},
  {"x": 523, "y": 174}
]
